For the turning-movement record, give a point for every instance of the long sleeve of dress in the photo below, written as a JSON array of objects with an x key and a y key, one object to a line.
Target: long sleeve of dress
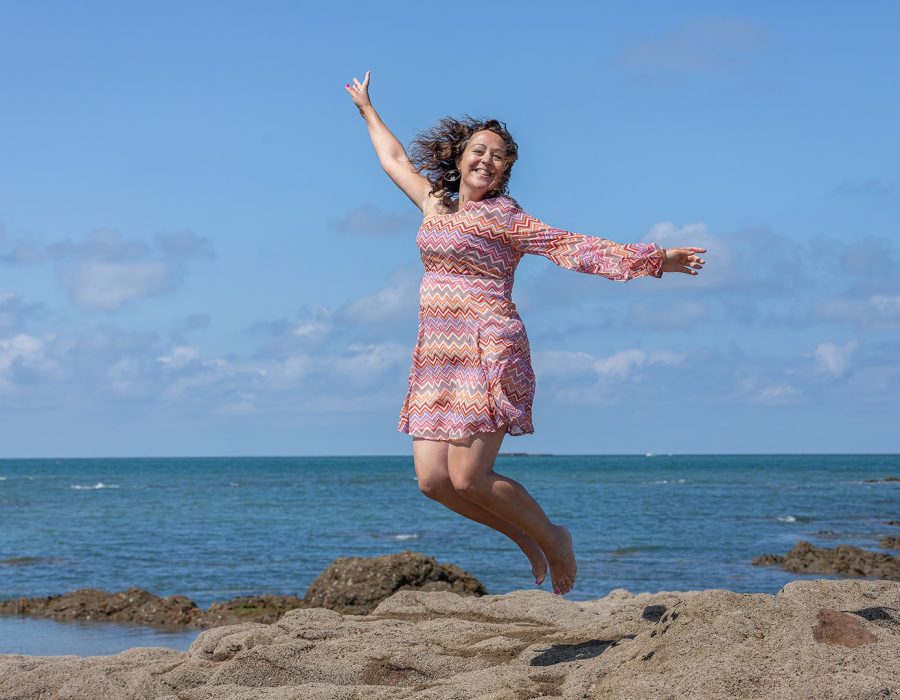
[{"x": 576, "y": 251}]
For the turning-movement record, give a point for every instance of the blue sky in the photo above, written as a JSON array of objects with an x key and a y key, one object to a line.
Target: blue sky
[{"x": 199, "y": 254}]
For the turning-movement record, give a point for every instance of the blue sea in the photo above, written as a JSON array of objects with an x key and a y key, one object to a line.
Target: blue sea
[{"x": 217, "y": 528}]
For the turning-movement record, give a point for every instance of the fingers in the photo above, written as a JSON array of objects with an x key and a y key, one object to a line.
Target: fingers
[
  {"x": 688, "y": 258},
  {"x": 366, "y": 80}
]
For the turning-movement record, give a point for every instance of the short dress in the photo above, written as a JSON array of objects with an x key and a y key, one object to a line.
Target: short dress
[{"x": 471, "y": 365}]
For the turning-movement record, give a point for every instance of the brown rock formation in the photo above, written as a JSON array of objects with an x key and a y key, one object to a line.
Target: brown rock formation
[
  {"x": 843, "y": 559},
  {"x": 352, "y": 585},
  {"x": 356, "y": 585}
]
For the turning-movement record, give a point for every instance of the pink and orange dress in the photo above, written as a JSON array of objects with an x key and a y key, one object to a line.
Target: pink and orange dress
[{"x": 471, "y": 364}]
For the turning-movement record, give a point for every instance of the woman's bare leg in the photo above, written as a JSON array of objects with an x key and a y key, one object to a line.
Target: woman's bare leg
[
  {"x": 470, "y": 463},
  {"x": 430, "y": 457}
]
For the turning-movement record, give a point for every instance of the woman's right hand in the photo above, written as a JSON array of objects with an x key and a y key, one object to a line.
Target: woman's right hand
[{"x": 359, "y": 92}]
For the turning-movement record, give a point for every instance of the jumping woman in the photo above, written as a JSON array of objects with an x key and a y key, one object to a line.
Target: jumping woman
[{"x": 471, "y": 380}]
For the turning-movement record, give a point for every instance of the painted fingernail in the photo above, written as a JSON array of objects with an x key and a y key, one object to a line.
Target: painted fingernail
[
  {"x": 346, "y": 84},
  {"x": 556, "y": 590}
]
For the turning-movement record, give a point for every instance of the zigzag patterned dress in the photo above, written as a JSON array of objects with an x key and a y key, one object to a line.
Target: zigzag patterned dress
[{"x": 471, "y": 365}]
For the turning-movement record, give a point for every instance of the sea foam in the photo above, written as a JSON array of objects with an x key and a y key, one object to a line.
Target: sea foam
[{"x": 98, "y": 485}]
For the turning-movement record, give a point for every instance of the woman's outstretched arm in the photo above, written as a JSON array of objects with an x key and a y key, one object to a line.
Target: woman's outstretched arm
[
  {"x": 595, "y": 255},
  {"x": 391, "y": 153}
]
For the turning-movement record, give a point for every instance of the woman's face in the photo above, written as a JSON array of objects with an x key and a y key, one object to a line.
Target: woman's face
[{"x": 482, "y": 163}]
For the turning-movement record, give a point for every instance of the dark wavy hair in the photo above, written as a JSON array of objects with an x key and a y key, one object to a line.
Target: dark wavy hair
[{"x": 434, "y": 152}]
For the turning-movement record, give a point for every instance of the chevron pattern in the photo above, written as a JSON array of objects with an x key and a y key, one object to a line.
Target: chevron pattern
[{"x": 471, "y": 365}]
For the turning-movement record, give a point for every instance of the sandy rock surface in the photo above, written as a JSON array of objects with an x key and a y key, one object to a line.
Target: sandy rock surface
[{"x": 814, "y": 639}]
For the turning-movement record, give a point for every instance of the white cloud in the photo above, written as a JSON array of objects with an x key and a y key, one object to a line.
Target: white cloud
[
  {"x": 106, "y": 271},
  {"x": 14, "y": 311},
  {"x": 109, "y": 285},
  {"x": 179, "y": 357},
  {"x": 777, "y": 394},
  {"x": 834, "y": 359},
  {"x": 21, "y": 353},
  {"x": 619, "y": 365},
  {"x": 398, "y": 299},
  {"x": 713, "y": 44},
  {"x": 878, "y": 312},
  {"x": 369, "y": 219}
]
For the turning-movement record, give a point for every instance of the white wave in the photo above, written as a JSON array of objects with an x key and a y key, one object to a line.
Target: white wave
[
  {"x": 786, "y": 519},
  {"x": 666, "y": 481},
  {"x": 405, "y": 537},
  {"x": 233, "y": 483},
  {"x": 2, "y": 478},
  {"x": 98, "y": 485}
]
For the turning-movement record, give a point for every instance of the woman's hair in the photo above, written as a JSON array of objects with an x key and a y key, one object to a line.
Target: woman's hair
[{"x": 435, "y": 150}]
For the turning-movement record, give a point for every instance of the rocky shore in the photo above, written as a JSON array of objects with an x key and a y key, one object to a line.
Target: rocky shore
[
  {"x": 813, "y": 639},
  {"x": 349, "y": 585},
  {"x": 844, "y": 559}
]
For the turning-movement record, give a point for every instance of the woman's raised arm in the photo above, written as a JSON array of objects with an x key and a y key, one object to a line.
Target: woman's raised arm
[{"x": 390, "y": 151}]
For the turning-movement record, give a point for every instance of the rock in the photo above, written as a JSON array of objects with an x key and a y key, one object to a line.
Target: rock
[
  {"x": 350, "y": 585},
  {"x": 768, "y": 560},
  {"x": 886, "y": 479},
  {"x": 889, "y": 543},
  {"x": 893, "y": 522},
  {"x": 142, "y": 607},
  {"x": 843, "y": 559},
  {"x": 260, "y": 608},
  {"x": 838, "y": 628},
  {"x": 356, "y": 585},
  {"x": 134, "y": 605},
  {"x": 827, "y": 534},
  {"x": 813, "y": 639}
]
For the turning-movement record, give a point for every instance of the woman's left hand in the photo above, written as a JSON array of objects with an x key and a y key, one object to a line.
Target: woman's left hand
[{"x": 683, "y": 260}]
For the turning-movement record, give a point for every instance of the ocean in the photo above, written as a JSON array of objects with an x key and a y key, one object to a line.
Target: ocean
[{"x": 218, "y": 528}]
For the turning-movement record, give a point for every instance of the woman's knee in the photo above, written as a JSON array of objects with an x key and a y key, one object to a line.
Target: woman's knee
[
  {"x": 434, "y": 485},
  {"x": 469, "y": 485}
]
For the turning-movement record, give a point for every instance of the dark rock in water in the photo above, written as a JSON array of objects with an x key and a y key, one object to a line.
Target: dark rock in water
[
  {"x": 768, "y": 560},
  {"x": 134, "y": 605},
  {"x": 882, "y": 481},
  {"x": 893, "y": 522},
  {"x": 258, "y": 608},
  {"x": 144, "y": 608},
  {"x": 827, "y": 533},
  {"x": 889, "y": 543},
  {"x": 843, "y": 559},
  {"x": 356, "y": 585}
]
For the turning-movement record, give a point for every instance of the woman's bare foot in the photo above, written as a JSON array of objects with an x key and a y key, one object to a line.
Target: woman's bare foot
[
  {"x": 535, "y": 555},
  {"x": 561, "y": 557}
]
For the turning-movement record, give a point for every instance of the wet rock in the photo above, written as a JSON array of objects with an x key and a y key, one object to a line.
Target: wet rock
[
  {"x": 886, "y": 479},
  {"x": 356, "y": 585},
  {"x": 260, "y": 608},
  {"x": 843, "y": 559},
  {"x": 768, "y": 560},
  {"x": 134, "y": 605},
  {"x": 889, "y": 543}
]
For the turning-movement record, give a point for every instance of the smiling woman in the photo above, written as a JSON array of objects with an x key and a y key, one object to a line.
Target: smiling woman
[{"x": 471, "y": 380}]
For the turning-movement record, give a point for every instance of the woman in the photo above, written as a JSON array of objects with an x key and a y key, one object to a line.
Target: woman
[{"x": 471, "y": 380}]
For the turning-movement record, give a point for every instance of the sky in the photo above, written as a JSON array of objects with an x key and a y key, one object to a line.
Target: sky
[{"x": 200, "y": 254}]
